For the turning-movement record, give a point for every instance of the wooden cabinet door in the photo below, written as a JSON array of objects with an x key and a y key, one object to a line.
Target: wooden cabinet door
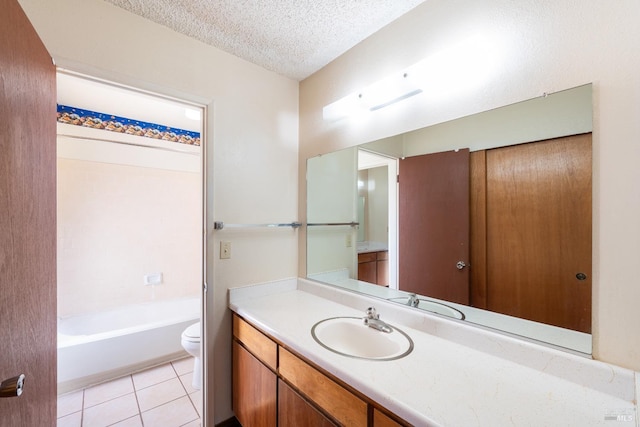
[
  {"x": 382, "y": 268},
  {"x": 254, "y": 390},
  {"x": 367, "y": 267},
  {"x": 294, "y": 411},
  {"x": 367, "y": 272},
  {"x": 538, "y": 213}
]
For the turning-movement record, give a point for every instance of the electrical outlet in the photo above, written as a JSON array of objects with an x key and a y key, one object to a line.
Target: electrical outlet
[
  {"x": 348, "y": 240},
  {"x": 225, "y": 250},
  {"x": 153, "y": 279}
]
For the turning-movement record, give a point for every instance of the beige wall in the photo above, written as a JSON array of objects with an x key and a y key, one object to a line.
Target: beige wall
[
  {"x": 252, "y": 137},
  {"x": 542, "y": 46},
  {"x": 118, "y": 223}
]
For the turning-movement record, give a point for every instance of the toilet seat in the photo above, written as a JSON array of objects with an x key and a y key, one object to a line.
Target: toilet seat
[{"x": 192, "y": 333}]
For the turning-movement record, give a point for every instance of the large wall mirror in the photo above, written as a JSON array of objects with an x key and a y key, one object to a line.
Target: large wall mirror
[{"x": 485, "y": 219}]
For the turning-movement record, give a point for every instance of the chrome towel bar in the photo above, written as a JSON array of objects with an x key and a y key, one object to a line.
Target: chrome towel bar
[
  {"x": 219, "y": 225},
  {"x": 351, "y": 224}
]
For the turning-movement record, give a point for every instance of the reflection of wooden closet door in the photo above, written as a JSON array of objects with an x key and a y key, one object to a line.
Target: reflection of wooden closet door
[
  {"x": 434, "y": 225},
  {"x": 539, "y": 231}
]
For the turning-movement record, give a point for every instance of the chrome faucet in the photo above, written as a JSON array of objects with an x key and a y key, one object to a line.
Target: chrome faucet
[
  {"x": 372, "y": 320},
  {"x": 413, "y": 300}
]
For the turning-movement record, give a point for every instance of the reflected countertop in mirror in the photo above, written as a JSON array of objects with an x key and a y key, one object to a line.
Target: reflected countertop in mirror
[{"x": 366, "y": 246}]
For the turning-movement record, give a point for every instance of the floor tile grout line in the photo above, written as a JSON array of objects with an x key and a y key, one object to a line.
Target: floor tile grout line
[
  {"x": 162, "y": 404},
  {"x": 108, "y": 400},
  {"x": 82, "y": 408},
  {"x": 187, "y": 391},
  {"x": 128, "y": 418},
  {"x": 135, "y": 393}
]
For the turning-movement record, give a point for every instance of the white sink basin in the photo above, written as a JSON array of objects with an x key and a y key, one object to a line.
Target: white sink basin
[
  {"x": 432, "y": 306},
  {"x": 349, "y": 336}
]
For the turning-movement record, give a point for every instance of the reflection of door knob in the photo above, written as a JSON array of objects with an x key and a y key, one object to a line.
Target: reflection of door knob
[
  {"x": 12, "y": 387},
  {"x": 460, "y": 265}
]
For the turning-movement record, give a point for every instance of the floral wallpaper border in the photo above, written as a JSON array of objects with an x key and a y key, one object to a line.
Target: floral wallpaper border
[{"x": 92, "y": 119}]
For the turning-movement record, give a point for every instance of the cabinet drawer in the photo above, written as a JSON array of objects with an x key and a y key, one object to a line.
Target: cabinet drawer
[
  {"x": 368, "y": 257},
  {"x": 333, "y": 398},
  {"x": 383, "y": 255},
  {"x": 256, "y": 342}
]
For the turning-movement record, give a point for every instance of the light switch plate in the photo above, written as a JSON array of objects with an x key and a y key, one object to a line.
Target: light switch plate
[{"x": 225, "y": 250}]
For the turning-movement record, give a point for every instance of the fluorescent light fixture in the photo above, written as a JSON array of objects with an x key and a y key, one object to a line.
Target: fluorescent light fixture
[
  {"x": 374, "y": 97},
  {"x": 462, "y": 66},
  {"x": 350, "y": 105},
  {"x": 389, "y": 91}
]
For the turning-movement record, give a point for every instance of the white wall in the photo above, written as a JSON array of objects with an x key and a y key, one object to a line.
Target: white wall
[
  {"x": 118, "y": 223},
  {"x": 252, "y": 137},
  {"x": 541, "y": 46}
]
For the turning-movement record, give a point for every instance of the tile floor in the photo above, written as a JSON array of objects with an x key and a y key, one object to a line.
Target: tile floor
[{"x": 158, "y": 397}]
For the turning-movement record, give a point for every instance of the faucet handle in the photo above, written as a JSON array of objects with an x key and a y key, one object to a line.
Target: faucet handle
[
  {"x": 372, "y": 313},
  {"x": 413, "y": 300}
]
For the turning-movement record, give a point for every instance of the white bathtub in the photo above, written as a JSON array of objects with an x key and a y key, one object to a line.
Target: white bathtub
[{"x": 100, "y": 346}]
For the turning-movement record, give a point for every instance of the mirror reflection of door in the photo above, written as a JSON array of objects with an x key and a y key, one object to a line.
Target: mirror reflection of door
[{"x": 434, "y": 225}]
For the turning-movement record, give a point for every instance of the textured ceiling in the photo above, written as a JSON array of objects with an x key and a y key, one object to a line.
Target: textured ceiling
[{"x": 294, "y": 38}]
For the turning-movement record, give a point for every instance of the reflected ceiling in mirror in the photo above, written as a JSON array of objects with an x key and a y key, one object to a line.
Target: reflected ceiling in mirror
[{"x": 343, "y": 254}]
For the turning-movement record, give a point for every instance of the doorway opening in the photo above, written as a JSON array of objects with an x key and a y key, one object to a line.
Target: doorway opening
[
  {"x": 378, "y": 219},
  {"x": 130, "y": 192}
]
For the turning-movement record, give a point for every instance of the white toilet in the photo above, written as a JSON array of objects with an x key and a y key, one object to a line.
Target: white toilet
[{"x": 191, "y": 343}]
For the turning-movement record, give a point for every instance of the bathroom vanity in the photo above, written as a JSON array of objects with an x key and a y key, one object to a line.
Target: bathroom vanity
[
  {"x": 455, "y": 375},
  {"x": 266, "y": 375}
]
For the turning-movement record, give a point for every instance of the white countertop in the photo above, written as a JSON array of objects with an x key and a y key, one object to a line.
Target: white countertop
[
  {"x": 457, "y": 375},
  {"x": 364, "y": 247}
]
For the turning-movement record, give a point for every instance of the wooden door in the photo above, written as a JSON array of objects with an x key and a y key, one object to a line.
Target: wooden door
[
  {"x": 254, "y": 390},
  {"x": 434, "y": 225},
  {"x": 539, "y": 231},
  {"x": 27, "y": 221},
  {"x": 295, "y": 411}
]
